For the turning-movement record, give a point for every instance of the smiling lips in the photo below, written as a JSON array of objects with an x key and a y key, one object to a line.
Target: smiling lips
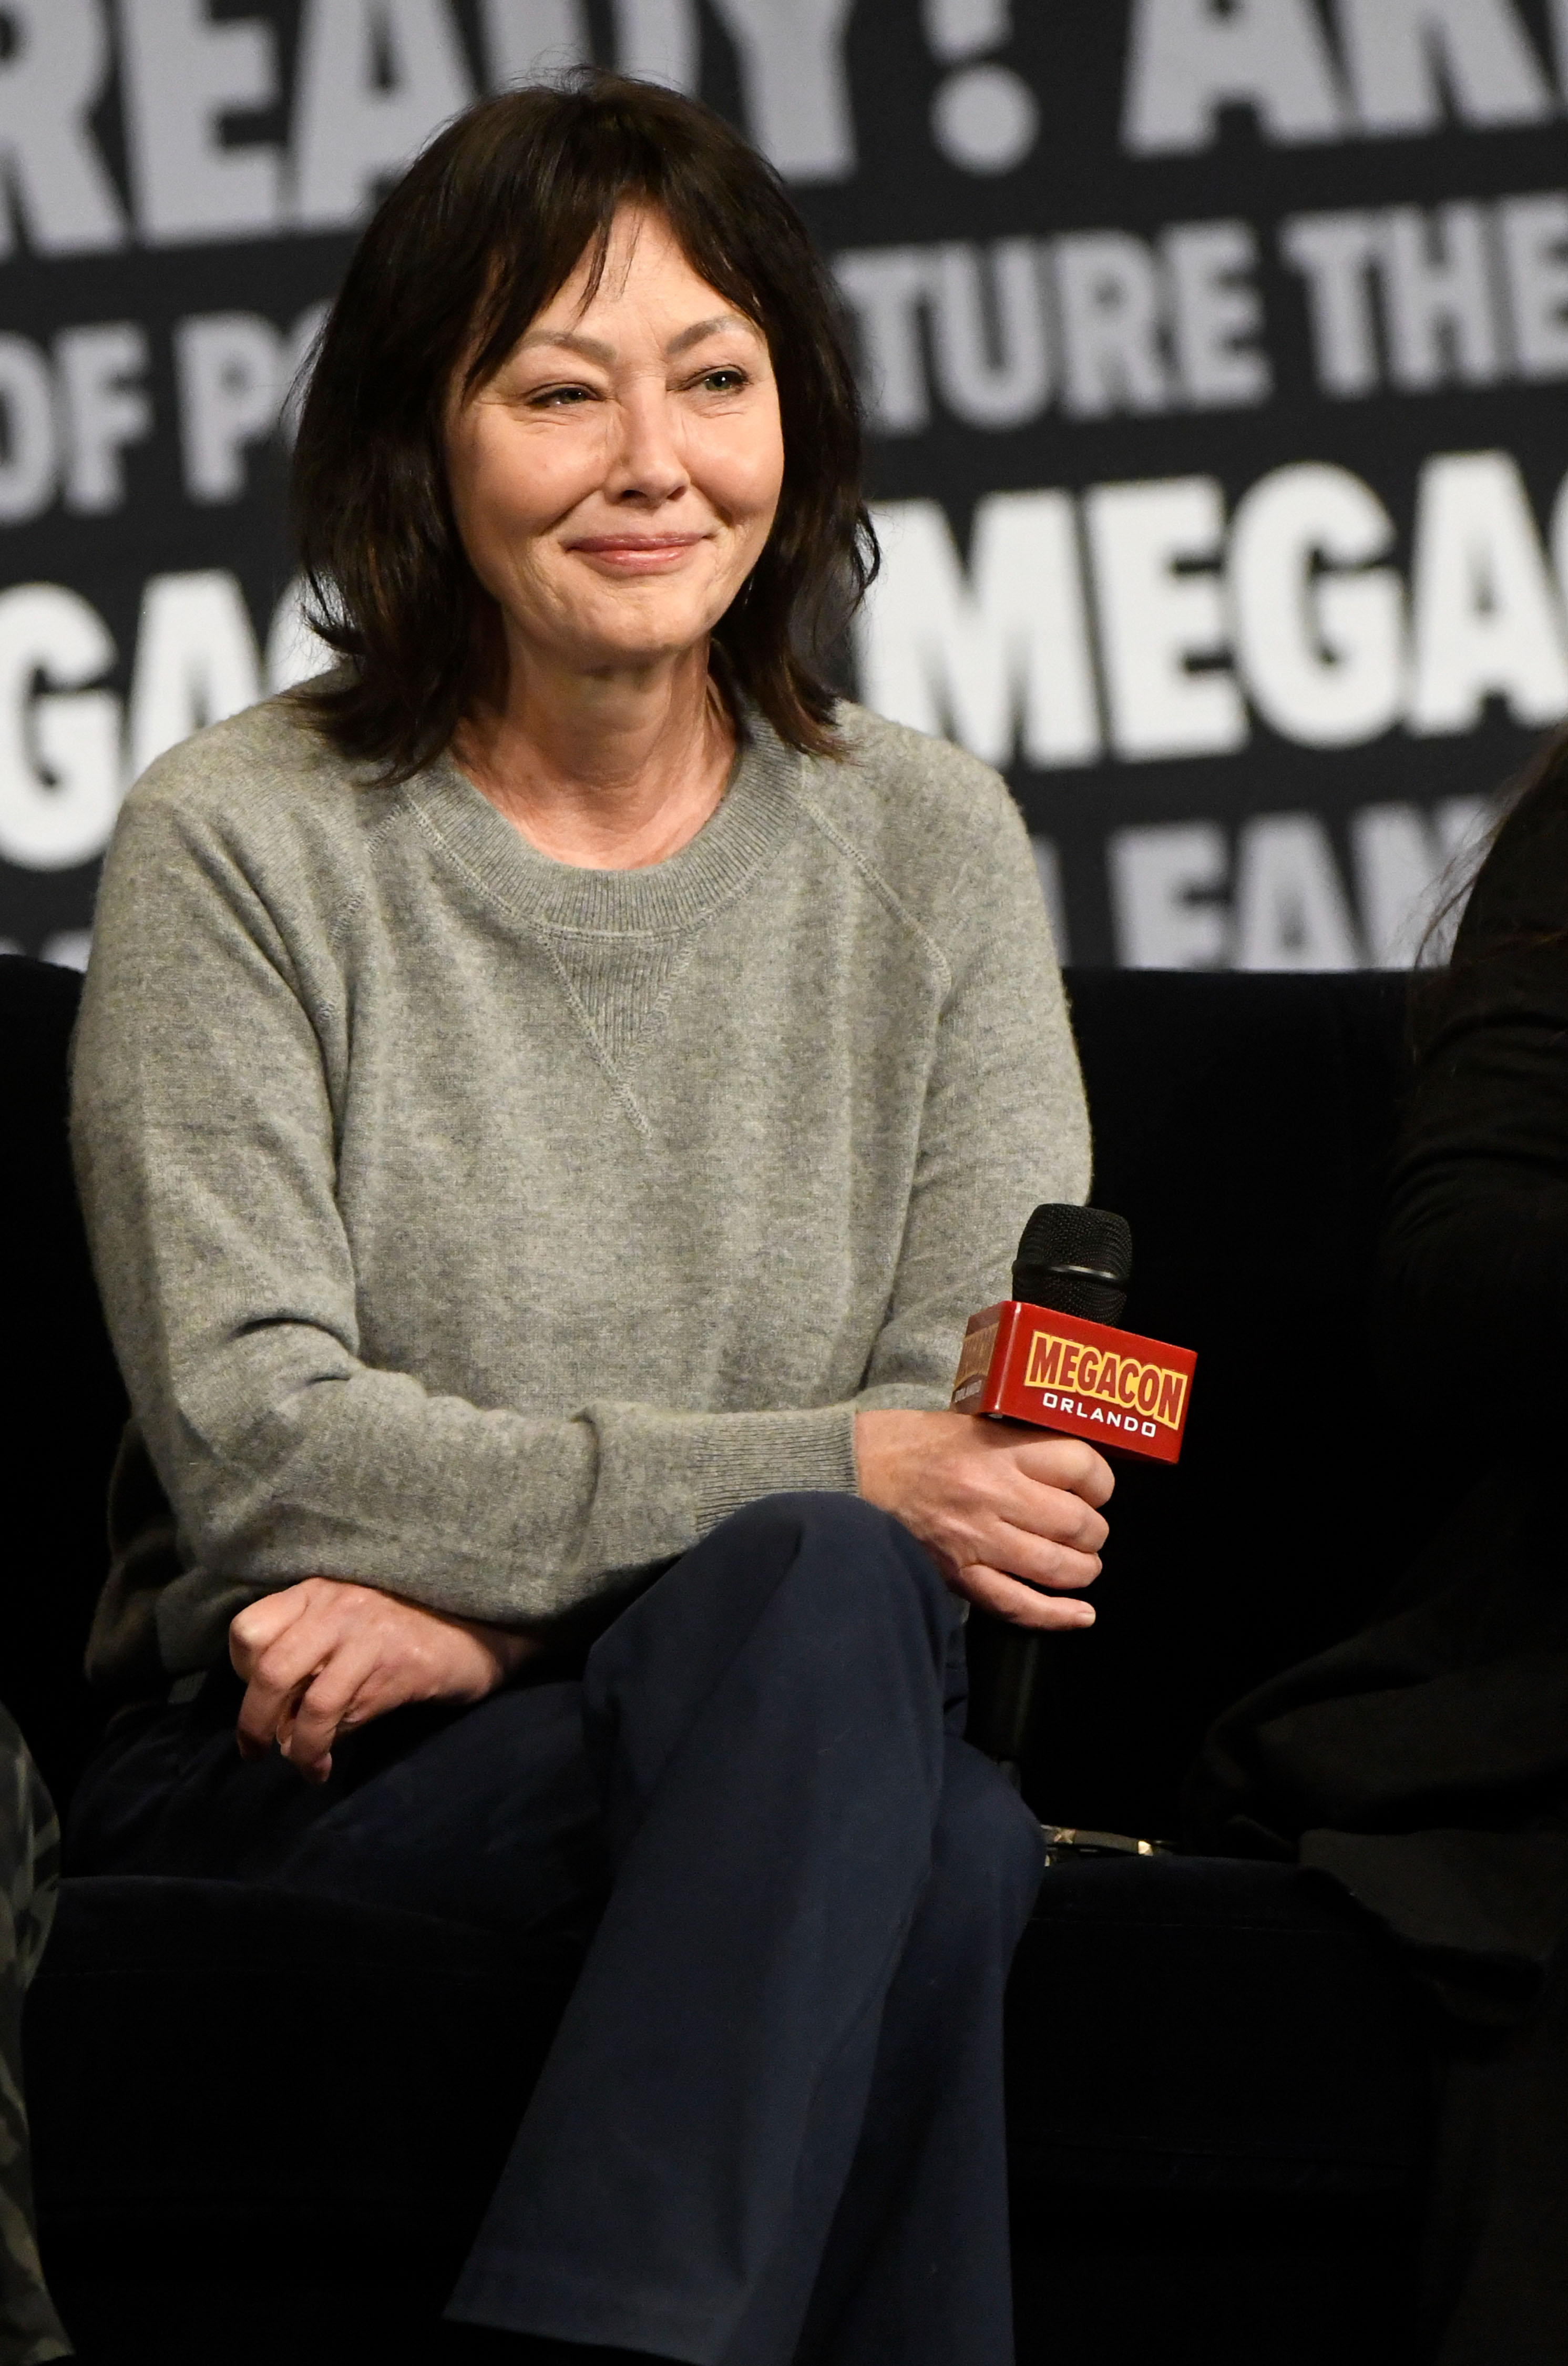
[{"x": 652, "y": 554}]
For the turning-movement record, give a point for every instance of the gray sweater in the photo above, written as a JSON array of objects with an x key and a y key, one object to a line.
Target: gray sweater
[{"x": 488, "y": 1229}]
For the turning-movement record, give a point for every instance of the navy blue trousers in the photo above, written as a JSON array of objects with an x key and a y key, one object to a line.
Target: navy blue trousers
[{"x": 770, "y": 2126}]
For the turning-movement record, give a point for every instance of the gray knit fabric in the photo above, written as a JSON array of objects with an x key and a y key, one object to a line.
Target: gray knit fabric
[{"x": 488, "y": 1229}]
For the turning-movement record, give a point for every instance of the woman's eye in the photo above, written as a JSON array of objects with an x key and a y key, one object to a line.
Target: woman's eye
[
  {"x": 554, "y": 397},
  {"x": 727, "y": 380}
]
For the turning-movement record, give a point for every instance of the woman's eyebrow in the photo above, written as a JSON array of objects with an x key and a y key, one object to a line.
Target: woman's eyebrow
[
  {"x": 593, "y": 349},
  {"x": 700, "y": 329}
]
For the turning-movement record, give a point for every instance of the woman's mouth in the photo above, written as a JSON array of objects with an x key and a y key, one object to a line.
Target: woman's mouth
[{"x": 633, "y": 553}]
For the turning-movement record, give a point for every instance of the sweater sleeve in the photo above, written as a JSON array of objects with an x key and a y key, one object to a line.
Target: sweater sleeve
[
  {"x": 1005, "y": 1124},
  {"x": 207, "y": 1158}
]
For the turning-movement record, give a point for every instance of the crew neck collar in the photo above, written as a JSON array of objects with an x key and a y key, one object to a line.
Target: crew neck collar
[{"x": 753, "y": 816}]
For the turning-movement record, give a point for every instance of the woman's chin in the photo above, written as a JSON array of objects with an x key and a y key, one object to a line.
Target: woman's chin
[
  {"x": 641, "y": 644},
  {"x": 636, "y": 622}
]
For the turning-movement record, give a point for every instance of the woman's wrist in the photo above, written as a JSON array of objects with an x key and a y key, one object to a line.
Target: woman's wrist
[
  {"x": 889, "y": 1446},
  {"x": 506, "y": 1646}
]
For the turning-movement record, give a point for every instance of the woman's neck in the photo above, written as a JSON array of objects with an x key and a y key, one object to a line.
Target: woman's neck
[{"x": 610, "y": 772}]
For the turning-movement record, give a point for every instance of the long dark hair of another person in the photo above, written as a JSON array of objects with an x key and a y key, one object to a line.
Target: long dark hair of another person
[
  {"x": 1472, "y": 1265},
  {"x": 1513, "y": 900}
]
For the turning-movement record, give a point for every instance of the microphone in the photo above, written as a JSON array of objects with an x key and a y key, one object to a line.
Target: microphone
[{"x": 1051, "y": 1356}]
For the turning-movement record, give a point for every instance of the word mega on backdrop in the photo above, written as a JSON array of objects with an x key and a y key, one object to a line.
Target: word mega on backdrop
[{"x": 1215, "y": 353}]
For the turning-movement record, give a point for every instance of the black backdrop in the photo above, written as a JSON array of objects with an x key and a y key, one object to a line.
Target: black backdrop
[{"x": 1216, "y": 350}]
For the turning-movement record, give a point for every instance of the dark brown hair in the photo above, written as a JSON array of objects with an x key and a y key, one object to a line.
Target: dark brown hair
[
  {"x": 480, "y": 232},
  {"x": 1510, "y": 896}
]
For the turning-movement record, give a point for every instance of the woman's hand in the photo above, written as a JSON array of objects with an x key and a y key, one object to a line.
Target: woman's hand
[
  {"x": 1003, "y": 1511},
  {"x": 322, "y": 1657}
]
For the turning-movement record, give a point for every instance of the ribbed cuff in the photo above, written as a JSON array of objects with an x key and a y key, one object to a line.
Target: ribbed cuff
[{"x": 773, "y": 1454}]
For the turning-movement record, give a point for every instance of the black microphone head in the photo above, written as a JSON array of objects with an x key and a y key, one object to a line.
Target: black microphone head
[{"x": 1076, "y": 1260}]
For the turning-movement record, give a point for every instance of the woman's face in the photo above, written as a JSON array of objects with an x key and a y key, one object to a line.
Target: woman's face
[{"x": 615, "y": 482}]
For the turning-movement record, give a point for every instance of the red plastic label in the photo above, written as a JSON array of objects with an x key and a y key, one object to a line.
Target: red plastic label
[{"x": 1056, "y": 1371}]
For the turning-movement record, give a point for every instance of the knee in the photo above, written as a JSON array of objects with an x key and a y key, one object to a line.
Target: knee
[
  {"x": 820, "y": 1514},
  {"x": 849, "y": 1553}
]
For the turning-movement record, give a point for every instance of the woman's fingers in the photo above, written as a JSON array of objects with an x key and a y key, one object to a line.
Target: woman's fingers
[
  {"x": 1071, "y": 1464},
  {"x": 278, "y": 1682},
  {"x": 316, "y": 1715},
  {"x": 1020, "y": 1605},
  {"x": 1035, "y": 1560},
  {"x": 1030, "y": 1557},
  {"x": 1036, "y": 1532},
  {"x": 255, "y": 1629},
  {"x": 263, "y": 1716},
  {"x": 279, "y": 1666},
  {"x": 1050, "y": 1513},
  {"x": 339, "y": 1653}
]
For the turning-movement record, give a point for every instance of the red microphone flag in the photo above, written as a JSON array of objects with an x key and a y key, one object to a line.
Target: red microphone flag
[{"x": 1057, "y": 1371}]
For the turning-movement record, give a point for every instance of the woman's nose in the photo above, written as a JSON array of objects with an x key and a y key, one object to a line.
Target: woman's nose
[{"x": 646, "y": 463}]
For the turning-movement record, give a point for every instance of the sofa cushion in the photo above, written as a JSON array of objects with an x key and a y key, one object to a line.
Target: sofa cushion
[
  {"x": 230, "y": 2059},
  {"x": 1209, "y": 2029},
  {"x": 215, "y": 2067}
]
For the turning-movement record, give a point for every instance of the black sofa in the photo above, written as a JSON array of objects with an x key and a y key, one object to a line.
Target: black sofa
[{"x": 264, "y": 2127}]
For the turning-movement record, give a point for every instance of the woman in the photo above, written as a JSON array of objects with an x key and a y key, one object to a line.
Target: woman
[
  {"x": 1423, "y": 1764},
  {"x": 547, "y": 1100}
]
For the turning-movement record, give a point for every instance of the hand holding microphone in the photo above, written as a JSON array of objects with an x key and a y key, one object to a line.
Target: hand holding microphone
[
  {"x": 1011, "y": 1518},
  {"x": 1050, "y": 1356},
  {"x": 1012, "y": 1514}
]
